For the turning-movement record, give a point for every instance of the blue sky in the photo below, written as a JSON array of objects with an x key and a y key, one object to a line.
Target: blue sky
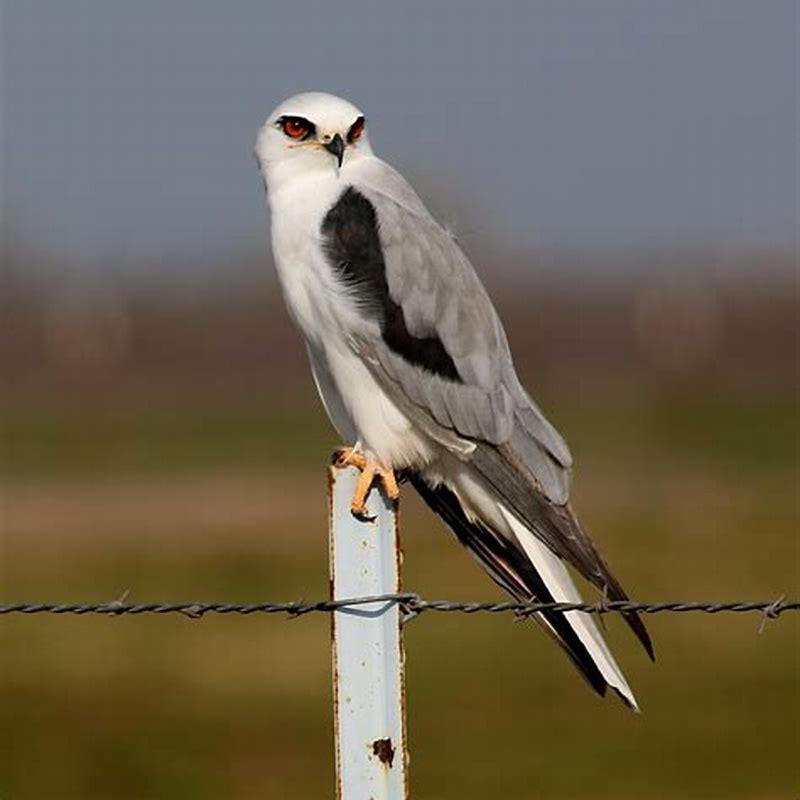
[{"x": 595, "y": 124}]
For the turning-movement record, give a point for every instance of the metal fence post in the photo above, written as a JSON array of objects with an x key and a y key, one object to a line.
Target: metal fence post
[{"x": 368, "y": 670}]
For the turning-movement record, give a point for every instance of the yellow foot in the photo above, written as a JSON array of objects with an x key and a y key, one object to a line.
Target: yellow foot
[{"x": 370, "y": 470}]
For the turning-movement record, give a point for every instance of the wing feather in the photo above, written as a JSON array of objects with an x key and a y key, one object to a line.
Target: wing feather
[
  {"x": 431, "y": 280},
  {"x": 485, "y": 416}
]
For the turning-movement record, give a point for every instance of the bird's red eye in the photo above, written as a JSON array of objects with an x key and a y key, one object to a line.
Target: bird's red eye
[
  {"x": 296, "y": 127},
  {"x": 356, "y": 129}
]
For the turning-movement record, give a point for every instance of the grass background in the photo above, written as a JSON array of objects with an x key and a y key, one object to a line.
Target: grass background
[{"x": 219, "y": 494}]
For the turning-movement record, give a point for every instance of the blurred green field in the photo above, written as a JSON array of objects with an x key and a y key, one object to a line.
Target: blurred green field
[{"x": 690, "y": 494}]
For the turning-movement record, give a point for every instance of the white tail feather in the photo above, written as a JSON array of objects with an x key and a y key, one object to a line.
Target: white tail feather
[{"x": 559, "y": 583}]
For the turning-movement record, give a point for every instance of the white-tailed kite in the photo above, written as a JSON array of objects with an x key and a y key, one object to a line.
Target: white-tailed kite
[{"x": 414, "y": 369}]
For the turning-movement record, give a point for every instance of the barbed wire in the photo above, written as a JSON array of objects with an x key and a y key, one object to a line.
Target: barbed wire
[{"x": 411, "y": 605}]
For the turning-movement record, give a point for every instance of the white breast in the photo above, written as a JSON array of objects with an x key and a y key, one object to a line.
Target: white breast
[
  {"x": 379, "y": 425},
  {"x": 328, "y": 318}
]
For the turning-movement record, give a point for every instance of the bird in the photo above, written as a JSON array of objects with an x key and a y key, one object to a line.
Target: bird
[{"x": 414, "y": 369}]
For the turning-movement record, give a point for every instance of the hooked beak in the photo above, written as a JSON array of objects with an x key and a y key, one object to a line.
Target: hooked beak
[{"x": 336, "y": 146}]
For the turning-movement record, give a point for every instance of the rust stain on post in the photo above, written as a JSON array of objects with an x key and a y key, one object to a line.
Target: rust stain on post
[
  {"x": 331, "y": 595},
  {"x": 384, "y": 750}
]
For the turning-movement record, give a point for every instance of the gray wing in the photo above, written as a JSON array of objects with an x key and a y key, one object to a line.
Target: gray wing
[
  {"x": 442, "y": 299},
  {"x": 444, "y": 359}
]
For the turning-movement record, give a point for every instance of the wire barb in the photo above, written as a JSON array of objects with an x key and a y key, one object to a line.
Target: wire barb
[
  {"x": 411, "y": 605},
  {"x": 771, "y": 612}
]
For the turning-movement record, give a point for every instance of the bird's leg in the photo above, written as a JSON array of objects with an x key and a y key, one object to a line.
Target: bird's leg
[{"x": 370, "y": 469}]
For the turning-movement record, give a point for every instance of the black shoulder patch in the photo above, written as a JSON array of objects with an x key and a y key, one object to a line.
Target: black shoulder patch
[{"x": 351, "y": 242}]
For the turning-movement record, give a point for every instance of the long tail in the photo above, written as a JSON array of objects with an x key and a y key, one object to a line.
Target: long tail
[{"x": 528, "y": 570}]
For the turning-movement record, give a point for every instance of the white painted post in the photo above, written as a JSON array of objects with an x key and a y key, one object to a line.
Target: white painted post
[{"x": 368, "y": 674}]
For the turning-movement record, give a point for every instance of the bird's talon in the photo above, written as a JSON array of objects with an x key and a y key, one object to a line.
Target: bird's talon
[
  {"x": 361, "y": 514},
  {"x": 370, "y": 471}
]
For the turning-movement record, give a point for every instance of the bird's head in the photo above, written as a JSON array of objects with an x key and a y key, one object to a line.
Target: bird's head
[{"x": 311, "y": 132}]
